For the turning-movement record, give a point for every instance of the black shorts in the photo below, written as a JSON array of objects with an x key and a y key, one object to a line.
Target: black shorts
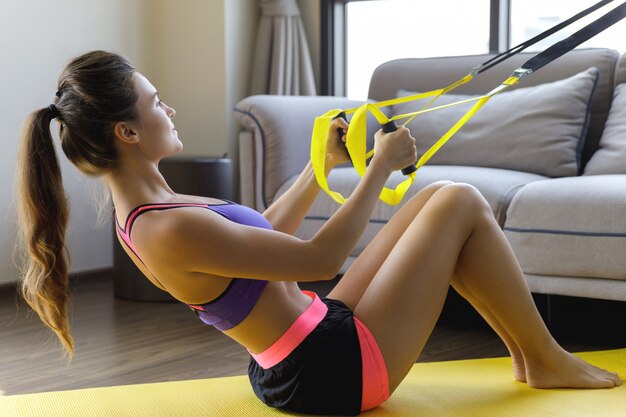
[{"x": 322, "y": 375}]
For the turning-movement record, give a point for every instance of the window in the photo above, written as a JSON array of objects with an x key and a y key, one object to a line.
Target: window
[
  {"x": 531, "y": 17},
  {"x": 362, "y": 34},
  {"x": 382, "y": 30}
]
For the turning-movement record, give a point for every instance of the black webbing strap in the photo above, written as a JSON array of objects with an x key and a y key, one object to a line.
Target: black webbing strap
[
  {"x": 571, "y": 42},
  {"x": 519, "y": 48}
]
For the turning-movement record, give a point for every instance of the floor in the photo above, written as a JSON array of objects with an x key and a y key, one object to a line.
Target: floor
[{"x": 128, "y": 342}]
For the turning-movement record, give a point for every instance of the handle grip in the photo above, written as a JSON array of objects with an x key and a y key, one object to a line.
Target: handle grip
[
  {"x": 389, "y": 127},
  {"x": 340, "y": 130}
]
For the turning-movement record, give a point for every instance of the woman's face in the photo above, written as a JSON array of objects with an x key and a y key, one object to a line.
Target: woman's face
[{"x": 159, "y": 137}]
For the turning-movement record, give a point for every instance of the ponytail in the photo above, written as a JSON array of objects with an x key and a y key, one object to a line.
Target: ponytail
[
  {"x": 43, "y": 214},
  {"x": 94, "y": 91}
]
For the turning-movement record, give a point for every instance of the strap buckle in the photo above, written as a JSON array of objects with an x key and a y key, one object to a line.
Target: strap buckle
[
  {"x": 476, "y": 70},
  {"x": 521, "y": 72}
]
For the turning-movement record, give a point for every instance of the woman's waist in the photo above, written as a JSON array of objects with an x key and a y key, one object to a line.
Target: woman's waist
[
  {"x": 278, "y": 307},
  {"x": 297, "y": 332}
]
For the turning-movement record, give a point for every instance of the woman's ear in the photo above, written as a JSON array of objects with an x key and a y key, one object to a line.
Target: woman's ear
[{"x": 126, "y": 132}]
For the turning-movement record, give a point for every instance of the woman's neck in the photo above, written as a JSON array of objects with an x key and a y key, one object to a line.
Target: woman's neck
[{"x": 138, "y": 183}]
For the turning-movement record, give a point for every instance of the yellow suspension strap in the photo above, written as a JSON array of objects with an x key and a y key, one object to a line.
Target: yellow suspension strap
[
  {"x": 356, "y": 146},
  {"x": 480, "y": 101},
  {"x": 355, "y": 140}
]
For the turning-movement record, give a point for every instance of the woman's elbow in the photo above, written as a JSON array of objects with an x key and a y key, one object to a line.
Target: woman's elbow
[
  {"x": 320, "y": 274},
  {"x": 326, "y": 266},
  {"x": 332, "y": 271},
  {"x": 325, "y": 274}
]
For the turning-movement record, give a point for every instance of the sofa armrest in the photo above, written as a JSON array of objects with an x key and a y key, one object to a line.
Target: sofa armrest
[{"x": 279, "y": 144}]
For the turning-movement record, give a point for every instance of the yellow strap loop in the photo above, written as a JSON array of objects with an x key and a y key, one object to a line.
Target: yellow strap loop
[
  {"x": 318, "y": 152},
  {"x": 356, "y": 148},
  {"x": 357, "y": 133}
]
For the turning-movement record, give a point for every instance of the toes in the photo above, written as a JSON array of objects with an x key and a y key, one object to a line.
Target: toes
[{"x": 612, "y": 379}]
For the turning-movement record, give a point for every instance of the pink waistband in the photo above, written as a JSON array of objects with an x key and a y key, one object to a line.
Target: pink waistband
[{"x": 295, "y": 334}]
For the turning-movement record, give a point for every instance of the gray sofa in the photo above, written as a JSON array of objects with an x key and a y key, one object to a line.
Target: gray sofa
[{"x": 549, "y": 156}]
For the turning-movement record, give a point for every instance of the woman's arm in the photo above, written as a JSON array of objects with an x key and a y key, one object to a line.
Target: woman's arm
[
  {"x": 286, "y": 213},
  {"x": 201, "y": 241}
]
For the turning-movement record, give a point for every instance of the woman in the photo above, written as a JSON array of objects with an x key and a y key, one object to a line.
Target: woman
[{"x": 340, "y": 355}]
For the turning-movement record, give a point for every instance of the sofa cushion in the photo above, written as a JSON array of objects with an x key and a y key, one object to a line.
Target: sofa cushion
[
  {"x": 538, "y": 129},
  {"x": 570, "y": 227},
  {"x": 611, "y": 157},
  {"x": 497, "y": 185}
]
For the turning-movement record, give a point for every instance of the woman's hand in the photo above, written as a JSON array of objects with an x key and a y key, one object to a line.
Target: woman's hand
[
  {"x": 336, "y": 152},
  {"x": 395, "y": 149}
]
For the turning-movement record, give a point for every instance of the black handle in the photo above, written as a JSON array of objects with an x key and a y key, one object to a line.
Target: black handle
[
  {"x": 341, "y": 132},
  {"x": 389, "y": 127},
  {"x": 339, "y": 129}
]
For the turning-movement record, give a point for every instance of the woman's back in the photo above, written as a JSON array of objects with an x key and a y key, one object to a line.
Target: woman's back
[{"x": 239, "y": 307}]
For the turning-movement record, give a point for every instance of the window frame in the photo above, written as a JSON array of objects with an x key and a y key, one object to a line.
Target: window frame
[{"x": 333, "y": 40}]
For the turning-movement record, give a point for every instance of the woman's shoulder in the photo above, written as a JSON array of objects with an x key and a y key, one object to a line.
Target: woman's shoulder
[
  {"x": 196, "y": 199},
  {"x": 165, "y": 219},
  {"x": 172, "y": 223}
]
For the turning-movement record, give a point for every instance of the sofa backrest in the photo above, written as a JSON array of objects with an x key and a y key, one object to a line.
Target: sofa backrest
[{"x": 425, "y": 74}]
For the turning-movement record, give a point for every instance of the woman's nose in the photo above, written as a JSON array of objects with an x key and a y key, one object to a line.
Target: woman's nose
[{"x": 171, "y": 112}]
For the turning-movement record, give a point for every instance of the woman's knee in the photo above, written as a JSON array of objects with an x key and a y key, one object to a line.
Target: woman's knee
[
  {"x": 438, "y": 185},
  {"x": 417, "y": 201},
  {"x": 428, "y": 191},
  {"x": 465, "y": 198}
]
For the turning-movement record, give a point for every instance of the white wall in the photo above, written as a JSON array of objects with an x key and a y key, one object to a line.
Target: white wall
[
  {"x": 196, "y": 52},
  {"x": 37, "y": 38},
  {"x": 186, "y": 65},
  {"x": 241, "y": 23}
]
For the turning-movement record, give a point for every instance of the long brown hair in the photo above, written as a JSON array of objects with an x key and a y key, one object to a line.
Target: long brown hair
[{"x": 95, "y": 91}]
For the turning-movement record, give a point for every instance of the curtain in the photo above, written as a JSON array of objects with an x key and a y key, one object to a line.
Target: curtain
[{"x": 282, "y": 63}]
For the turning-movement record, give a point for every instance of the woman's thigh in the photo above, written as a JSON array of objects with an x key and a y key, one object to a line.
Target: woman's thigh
[
  {"x": 357, "y": 278},
  {"x": 403, "y": 301}
]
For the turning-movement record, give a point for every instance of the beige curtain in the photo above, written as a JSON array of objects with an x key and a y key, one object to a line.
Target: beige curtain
[{"x": 282, "y": 63}]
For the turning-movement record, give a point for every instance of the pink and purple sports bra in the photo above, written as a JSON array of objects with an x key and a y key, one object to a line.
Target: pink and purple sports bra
[{"x": 232, "y": 306}]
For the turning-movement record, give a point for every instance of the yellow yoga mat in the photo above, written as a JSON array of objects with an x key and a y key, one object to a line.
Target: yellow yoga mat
[{"x": 468, "y": 388}]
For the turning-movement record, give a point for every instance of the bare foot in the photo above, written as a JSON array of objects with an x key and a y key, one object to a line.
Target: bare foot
[{"x": 564, "y": 370}]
